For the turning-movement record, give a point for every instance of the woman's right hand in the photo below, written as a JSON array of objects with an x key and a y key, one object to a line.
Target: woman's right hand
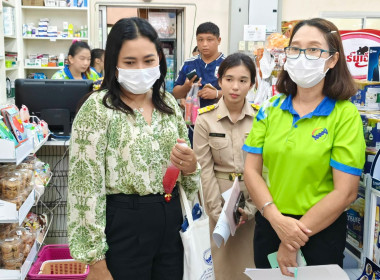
[
  {"x": 292, "y": 233},
  {"x": 99, "y": 271}
]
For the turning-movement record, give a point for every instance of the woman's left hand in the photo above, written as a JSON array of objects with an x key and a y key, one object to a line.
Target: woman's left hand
[
  {"x": 183, "y": 158},
  {"x": 286, "y": 258}
]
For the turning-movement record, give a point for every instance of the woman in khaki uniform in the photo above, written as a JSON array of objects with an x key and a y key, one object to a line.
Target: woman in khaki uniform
[{"x": 219, "y": 135}]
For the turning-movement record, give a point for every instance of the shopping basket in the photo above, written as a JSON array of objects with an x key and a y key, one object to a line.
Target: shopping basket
[{"x": 56, "y": 259}]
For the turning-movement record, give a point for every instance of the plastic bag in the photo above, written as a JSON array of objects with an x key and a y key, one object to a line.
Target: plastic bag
[{"x": 192, "y": 105}]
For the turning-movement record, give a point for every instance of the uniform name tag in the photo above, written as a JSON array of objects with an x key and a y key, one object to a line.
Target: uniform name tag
[{"x": 212, "y": 134}]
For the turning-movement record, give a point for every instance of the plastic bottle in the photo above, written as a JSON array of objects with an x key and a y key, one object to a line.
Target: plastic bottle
[
  {"x": 85, "y": 34},
  {"x": 170, "y": 178},
  {"x": 81, "y": 31},
  {"x": 188, "y": 109},
  {"x": 71, "y": 31},
  {"x": 61, "y": 60}
]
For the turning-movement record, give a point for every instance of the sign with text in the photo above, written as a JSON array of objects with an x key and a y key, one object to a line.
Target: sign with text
[
  {"x": 356, "y": 46},
  {"x": 254, "y": 32}
]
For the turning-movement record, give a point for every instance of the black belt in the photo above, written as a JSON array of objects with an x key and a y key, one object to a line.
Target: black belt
[{"x": 132, "y": 200}]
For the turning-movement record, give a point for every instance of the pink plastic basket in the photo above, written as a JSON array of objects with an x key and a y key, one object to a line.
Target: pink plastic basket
[{"x": 53, "y": 252}]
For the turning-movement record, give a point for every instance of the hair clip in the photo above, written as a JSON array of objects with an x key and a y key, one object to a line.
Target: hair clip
[
  {"x": 333, "y": 31},
  {"x": 75, "y": 40}
]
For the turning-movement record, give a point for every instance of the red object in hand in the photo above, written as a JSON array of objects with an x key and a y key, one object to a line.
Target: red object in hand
[{"x": 169, "y": 180}]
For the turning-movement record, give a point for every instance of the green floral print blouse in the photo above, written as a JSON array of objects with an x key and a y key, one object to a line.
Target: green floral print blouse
[{"x": 113, "y": 152}]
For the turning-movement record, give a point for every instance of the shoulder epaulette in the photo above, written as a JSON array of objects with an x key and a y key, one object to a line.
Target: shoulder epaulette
[
  {"x": 255, "y": 106},
  {"x": 206, "y": 109}
]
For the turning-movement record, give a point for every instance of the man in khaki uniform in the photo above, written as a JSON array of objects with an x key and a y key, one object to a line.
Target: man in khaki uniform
[{"x": 218, "y": 141}]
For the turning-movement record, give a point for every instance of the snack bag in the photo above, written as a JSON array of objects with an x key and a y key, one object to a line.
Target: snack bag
[
  {"x": 15, "y": 122},
  {"x": 5, "y": 133}
]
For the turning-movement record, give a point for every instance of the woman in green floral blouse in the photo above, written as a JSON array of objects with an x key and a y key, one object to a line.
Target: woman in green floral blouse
[{"x": 123, "y": 139}]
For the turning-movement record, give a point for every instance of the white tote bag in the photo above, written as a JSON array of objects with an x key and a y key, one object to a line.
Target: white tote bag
[{"x": 196, "y": 243}]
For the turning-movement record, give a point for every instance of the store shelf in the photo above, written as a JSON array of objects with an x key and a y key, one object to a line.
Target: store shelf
[
  {"x": 53, "y": 8},
  {"x": 55, "y": 38},
  {"x": 9, "y": 37},
  {"x": 43, "y": 68},
  {"x": 39, "y": 145},
  {"x": 7, "y": 274},
  {"x": 11, "y": 68},
  {"x": 9, "y": 214},
  {"x": 8, "y": 4},
  {"x": 9, "y": 153},
  {"x": 353, "y": 249}
]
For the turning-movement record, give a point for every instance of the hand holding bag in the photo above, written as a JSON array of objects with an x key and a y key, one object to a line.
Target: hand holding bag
[{"x": 196, "y": 243}]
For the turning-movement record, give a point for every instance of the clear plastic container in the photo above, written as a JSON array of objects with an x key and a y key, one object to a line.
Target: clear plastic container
[
  {"x": 10, "y": 187},
  {"x": 27, "y": 175},
  {"x": 14, "y": 264},
  {"x": 10, "y": 248}
]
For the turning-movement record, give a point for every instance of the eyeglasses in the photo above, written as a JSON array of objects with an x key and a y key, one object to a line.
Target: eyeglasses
[{"x": 310, "y": 53}]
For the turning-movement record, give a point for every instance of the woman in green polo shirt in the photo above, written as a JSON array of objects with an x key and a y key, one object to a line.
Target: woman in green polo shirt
[
  {"x": 305, "y": 153},
  {"x": 79, "y": 58}
]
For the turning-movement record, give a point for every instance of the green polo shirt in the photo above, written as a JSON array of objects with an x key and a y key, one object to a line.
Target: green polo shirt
[{"x": 300, "y": 153}]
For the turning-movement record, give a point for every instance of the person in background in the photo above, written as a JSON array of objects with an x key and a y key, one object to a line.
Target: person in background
[
  {"x": 97, "y": 61},
  {"x": 306, "y": 152},
  {"x": 195, "y": 51},
  {"x": 219, "y": 134},
  {"x": 79, "y": 58},
  {"x": 124, "y": 137},
  {"x": 206, "y": 65}
]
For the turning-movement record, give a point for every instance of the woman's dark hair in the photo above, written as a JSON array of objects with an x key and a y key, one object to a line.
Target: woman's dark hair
[
  {"x": 130, "y": 29},
  {"x": 195, "y": 49},
  {"x": 76, "y": 47},
  {"x": 96, "y": 53},
  {"x": 234, "y": 60},
  {"x": 339, "y": 84}
]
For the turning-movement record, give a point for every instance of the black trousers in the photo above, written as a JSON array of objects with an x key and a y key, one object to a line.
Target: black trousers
[
  {"x": 326, "y": 247},
  {"x": 143, "y": 237}
]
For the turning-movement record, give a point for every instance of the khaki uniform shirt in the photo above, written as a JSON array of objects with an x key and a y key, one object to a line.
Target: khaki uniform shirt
[{"x": 218, "y": 146}]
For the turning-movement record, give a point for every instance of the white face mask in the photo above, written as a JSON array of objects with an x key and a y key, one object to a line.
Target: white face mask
[
  {"x": 138, "y": 81},
  {"x": 304, "y": 72}
]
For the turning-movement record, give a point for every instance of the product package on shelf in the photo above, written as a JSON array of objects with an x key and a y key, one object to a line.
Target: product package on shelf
[
  {"x": 371, "y": 271},
  {"x": 371, "y": 127},
  {"x": 355, "y": 220},
  {"x": 368, "y": 95},
  {"x": 164, "y": 23}
]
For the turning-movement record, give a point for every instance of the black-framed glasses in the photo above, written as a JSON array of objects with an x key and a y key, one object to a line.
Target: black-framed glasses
[{"x": 310, "y": 53}]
